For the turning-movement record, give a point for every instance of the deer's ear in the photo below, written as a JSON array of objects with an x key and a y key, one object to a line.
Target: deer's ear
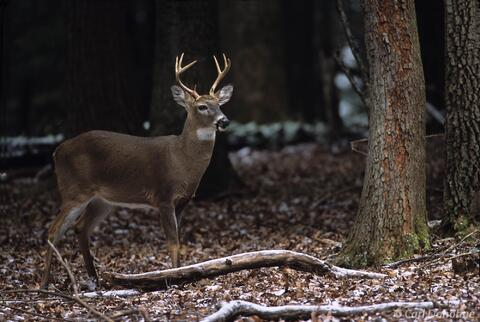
[
  {"x": 224, "y": 94},
  {"x": 179, "y": 95}
]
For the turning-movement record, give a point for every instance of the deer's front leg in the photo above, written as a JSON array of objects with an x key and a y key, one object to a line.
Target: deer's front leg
[
  {"x": 169, "y": 223},
  {"x": 179, "y": 210}
]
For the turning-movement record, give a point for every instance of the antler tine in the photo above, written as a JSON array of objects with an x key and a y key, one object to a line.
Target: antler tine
[
  {"x": 216, "y": 63},
  {"x": 221, "y": 73},
  {"x": 178, "y": 70}
]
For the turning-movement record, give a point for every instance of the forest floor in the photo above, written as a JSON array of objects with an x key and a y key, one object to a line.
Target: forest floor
[{"x": 301, "y": 198}]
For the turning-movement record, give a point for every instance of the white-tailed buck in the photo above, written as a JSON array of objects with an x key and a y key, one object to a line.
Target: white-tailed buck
[{"x": 99, "y": 170}]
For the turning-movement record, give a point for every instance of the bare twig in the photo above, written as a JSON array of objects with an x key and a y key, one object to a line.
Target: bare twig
[
  {"x": 435, "y": 113},
  {"x": 354, "y": 146},
  {"x": 449, "y": 249},
  {"x": 331, "y": 194},
  {"x": 357, "y": 143},
  {"x": 225, "y": 265},
  {"x": 461, "y": 241},
  {"x": 352, "y": 43},
  {"x": 67, "y": 268},
  {"x": 351, "y": 79},
  {"x": 75, "y": 287},
  {"x": 462, "y": 255},
  {"x": 328, "y": 242},
  {"x": 66, "y": 296},
  {"x": 48, "y": 318},
  {"x": 234, "y": 309},
  {"x": 42, "y": 291},
  {"x": 412, "y": 260}
]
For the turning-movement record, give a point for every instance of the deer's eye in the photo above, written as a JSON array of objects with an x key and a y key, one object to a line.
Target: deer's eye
[{"x": 202, "y": 107}]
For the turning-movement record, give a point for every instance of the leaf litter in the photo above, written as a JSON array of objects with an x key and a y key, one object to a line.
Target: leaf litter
[{"x": 300, "y": 198}]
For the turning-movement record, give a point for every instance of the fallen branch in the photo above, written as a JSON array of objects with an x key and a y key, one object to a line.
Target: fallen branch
[
  {"x": 448, "y": 250},
  {"x": 234, "y": 309},
  {"x": 115, "y": 293},
  {"x": 412, "y": 260},
  {"x": 462, "y": 255},
  {"x": 221, "y": 266}
]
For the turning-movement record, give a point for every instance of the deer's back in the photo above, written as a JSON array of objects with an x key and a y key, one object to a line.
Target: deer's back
[{"x": 117, "y": 167}]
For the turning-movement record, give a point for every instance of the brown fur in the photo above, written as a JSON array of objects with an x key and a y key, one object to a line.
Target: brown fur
[{"x": 97, "y": 170}]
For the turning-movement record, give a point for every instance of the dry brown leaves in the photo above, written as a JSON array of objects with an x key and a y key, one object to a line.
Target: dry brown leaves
[{"x": 301, "y": 198}]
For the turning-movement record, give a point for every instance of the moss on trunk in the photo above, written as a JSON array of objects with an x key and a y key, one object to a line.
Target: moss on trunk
[{"x": 392, "y": 218}]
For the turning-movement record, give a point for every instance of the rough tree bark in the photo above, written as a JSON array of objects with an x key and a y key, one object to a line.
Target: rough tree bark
[
  {"x": 391, "y": 220},
  {"x": 99, "y": 84},
  {"x": 190, "y": 27},
  {"x": 462, "y": 124}
]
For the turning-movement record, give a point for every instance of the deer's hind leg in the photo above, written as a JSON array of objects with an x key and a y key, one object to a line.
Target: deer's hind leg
[
  {"x": 95, "y": 212},
  {"x": 65, "y": 219}
]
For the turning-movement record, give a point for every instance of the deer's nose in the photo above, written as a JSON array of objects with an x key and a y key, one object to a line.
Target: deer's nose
[{"x": 223, "y": 123}]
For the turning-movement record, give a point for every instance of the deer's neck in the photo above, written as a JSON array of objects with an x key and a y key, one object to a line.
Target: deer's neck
[{"x": 197, "y": 141}]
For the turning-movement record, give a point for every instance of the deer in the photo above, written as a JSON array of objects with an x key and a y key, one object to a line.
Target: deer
[{"x": 97, "y": 171}]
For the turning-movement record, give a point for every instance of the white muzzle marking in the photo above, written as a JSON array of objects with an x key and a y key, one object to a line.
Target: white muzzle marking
[{"x": 206, "y": 133}]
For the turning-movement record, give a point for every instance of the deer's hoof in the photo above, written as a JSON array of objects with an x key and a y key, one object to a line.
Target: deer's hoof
[{"x": 92, "y": 283}]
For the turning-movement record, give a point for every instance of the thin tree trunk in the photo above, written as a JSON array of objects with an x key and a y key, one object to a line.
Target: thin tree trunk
[
  {"x": 326, "y": 27},
  {"x": 462, "y": 124},
  {"x": 99, "y": 87},
  {"x": 391, "y": 220},
  {"x": 252, "y": 34},
  {"x": 298, "y": 30},
  {"x": 188, "y": 27}
]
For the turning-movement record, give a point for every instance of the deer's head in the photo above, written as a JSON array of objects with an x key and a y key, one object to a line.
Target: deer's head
[{"x": 204, "y": 109}]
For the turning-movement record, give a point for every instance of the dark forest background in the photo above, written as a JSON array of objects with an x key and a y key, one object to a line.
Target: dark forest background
[
  {"x": 324, "y": 156},
  {"x": 69, "y": 66}
]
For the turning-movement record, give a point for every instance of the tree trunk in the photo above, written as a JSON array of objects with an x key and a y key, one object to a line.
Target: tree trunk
[
  {"x": 462, "y": 86},
  {"x": 99, "y": 84},
  {"x": 326, "y": 30},
  {"x": 391, "y": 220},
  {"x": 252, "y": 34},
  {"x": 298, "y": 32},
  {"x": 190, "y": 27}
]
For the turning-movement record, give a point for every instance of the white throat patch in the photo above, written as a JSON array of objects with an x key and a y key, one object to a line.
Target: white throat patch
[{"x": 206, "y": 133}]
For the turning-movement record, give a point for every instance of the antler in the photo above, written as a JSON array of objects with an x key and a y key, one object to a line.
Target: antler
[
  {"x": 178, "y": 70},
  {"x": 221, "y": 73}
]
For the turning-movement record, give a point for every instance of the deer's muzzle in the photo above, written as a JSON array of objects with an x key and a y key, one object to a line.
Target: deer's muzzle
[{"x": 222, "y": 124}]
